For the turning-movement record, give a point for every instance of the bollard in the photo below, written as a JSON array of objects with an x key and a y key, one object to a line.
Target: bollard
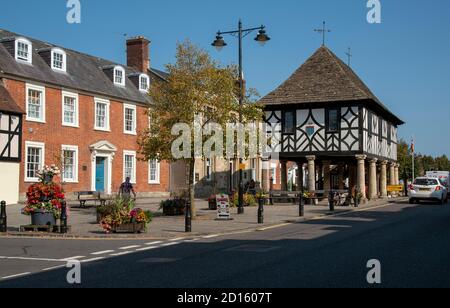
[
  {"x": 188, "y": 217},
  {"x": 331, "y": 200},
  {"x": 3, "y": 218},
  {"x": 261, "y": 210},
  {"x": 301, "y": 207},
  {"x": 63, "y": 228}
]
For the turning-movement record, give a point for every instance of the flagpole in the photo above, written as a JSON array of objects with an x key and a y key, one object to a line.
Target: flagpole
[{"x": 413, "y": 159}]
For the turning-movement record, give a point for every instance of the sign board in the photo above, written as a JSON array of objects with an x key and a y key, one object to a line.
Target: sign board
[
  {"x": 242, "y": 167},
  {"x": 395, "y": 188},
  {"x": 223, "y": 207}
]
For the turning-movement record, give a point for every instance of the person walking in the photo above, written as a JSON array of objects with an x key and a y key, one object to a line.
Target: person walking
[{"x": 126, "y": 189}]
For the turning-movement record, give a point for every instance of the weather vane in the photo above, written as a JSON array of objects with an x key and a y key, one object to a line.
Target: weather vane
[
  {"x": 349, "y": 55},
  {"x": 323, "y": 31}
]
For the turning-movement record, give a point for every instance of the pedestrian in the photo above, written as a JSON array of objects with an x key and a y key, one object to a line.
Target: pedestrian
[{"x": 126, "y": 189}]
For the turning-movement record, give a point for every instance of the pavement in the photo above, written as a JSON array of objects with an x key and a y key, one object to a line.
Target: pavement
[
  {"x": 411, "y": 243},
  {"x": 83, "y": 221}
]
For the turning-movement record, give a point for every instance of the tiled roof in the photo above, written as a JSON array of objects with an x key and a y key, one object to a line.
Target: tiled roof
[
  {"x": 324, "y": 78},
  {"x": 7, "y": 104},
  {"x": 84, "y": 72}
]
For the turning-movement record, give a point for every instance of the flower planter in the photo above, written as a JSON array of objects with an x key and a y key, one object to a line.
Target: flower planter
[
  {"x": 42, "y": 218},
  {"x": 129, "y": 228},
  {"x": 212, "y": 205},
  {"x": 173, "y": 211}
]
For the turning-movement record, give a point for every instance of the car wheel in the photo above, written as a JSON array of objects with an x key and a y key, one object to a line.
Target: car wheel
[{"x": 411, "y": 201}]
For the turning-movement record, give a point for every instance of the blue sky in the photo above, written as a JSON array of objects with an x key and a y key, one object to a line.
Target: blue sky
[{"x": 405, "y": 60}]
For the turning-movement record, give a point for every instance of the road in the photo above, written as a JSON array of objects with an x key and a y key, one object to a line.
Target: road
[{"x": 412, "y": 243}]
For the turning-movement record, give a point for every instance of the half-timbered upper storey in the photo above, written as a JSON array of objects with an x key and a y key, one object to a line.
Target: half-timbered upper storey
[
  {"x": 325, "y": 109},
  {"x": 10, "y": 128}
]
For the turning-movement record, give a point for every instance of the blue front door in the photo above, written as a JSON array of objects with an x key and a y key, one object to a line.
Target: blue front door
[{"x": 100, "y": 174}]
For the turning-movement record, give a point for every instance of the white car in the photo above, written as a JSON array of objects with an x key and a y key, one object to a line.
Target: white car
[{"x": 427, "y": 189}]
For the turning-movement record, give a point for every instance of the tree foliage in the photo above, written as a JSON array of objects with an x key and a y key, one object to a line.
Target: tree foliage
[{"x": 422, "y": 163}]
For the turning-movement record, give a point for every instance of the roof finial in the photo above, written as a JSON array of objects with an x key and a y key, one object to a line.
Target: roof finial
[{"x": 323, "y": 31}]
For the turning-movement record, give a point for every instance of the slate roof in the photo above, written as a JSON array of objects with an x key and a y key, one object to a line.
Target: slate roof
[
  {"x": 84, "y": 72},
  {"x": 324, "y": 78},
  {"x": 7, "y": 103}
]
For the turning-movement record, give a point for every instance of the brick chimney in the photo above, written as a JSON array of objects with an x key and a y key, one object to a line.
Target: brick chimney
[{"x": 138, "y": 53}]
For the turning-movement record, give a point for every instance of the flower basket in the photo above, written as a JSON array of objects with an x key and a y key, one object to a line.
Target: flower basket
[
  {"x": 129, "y": 228},
  {"x": 44, "y": 199}
]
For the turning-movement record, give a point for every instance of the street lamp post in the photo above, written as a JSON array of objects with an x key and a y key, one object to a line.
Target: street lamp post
[{"x": 219, "y": 44}]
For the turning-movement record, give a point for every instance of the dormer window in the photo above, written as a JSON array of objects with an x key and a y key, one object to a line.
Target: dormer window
[
  {"x": 23, "y": 50},
  {"x": 58, "y": 59},
  {"x": 144, "y": 83},
  {"x": 119, "y": 76}
]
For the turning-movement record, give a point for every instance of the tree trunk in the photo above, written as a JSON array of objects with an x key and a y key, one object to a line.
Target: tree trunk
[{"x": 191, "y": 188}]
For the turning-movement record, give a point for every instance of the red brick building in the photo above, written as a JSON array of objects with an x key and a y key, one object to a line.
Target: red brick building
[{"x": 83, "y": 114}]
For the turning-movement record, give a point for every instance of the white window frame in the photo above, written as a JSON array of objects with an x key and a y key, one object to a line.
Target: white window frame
[
  {"x": 133, "y": 175},
  {"x": 76, "y": 97},
  {"x": 32, "y": 144},
  {"x": 72, "y": 148},
  {"x": 157, "y": 181},
  {"x": 115, "y": 70},
  {"x": 30, "y": 50},
  {"x": 107, "y": 121},
  {"x": 140, "y": 83},
  {"x": 273, "y": 172},
  {"x": 29, "y": 87},
  {"x": 64, "y": 60},
  {"x": 134, "y": 130}
]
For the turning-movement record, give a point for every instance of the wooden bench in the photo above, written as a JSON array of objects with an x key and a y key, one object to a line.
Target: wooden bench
[
  {"x": 90, "y": 196},
  {"x": 294, "y": 196}
]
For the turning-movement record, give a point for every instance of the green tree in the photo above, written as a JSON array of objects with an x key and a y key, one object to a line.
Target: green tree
[{"x": 196, "y": 85}]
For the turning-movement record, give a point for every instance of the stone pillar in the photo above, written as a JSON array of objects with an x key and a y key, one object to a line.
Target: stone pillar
[
  {"x": 341, "y": 169},
  {"x": 326, "y": 177},
  {"x": 373, "y": 191},
  {"x": 265, "y": 176},
  {"x": 392, "y": 174},
  {"x": 299, "y": 177},
  {"x": 284, "y": 178},
  {"x": 311, "y": 173},
  {"x": 383, "y": 179},
  {"x": 396, "y": 170},
  {"x": 361, "y": 175}
]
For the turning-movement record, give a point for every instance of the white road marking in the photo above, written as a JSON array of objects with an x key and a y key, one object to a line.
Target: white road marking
[
  {"x": 17, "y": 275},
  {"x": 170, "y": 244},
  {"x": 102, "y": 252},
  {"x": 153, "y": 243},
  {"x": 129, "y": 247},
  {"x": 121, "y": 253},
  {"x": 92, "y": 260},
  {"x": 31, "y": 259},
  {"x": 53, "y": 268},
  {"x": 211, "y": 236},
  {"x": 73, "y": 258},
  {"x": 177, "y": 239},
  {"x": 191, "y": 240},
  {"x": 146, "y": 248},
  {"x": 274, "y": 227}
]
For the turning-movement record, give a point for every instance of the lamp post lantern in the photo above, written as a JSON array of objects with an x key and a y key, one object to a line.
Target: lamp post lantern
[{"x": 262, "y": 38}]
